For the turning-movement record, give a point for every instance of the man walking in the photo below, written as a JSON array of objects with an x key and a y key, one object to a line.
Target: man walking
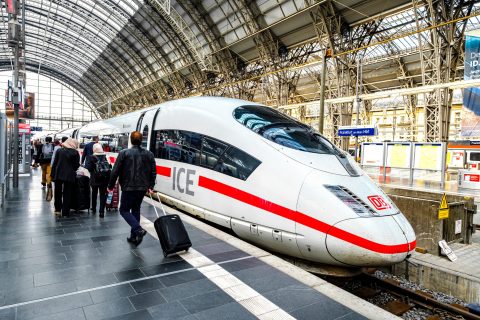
[
  {"x": 45, "y": 159},
  {"x": 136, "y": 170},
  {"x": 88, "y": 150}
]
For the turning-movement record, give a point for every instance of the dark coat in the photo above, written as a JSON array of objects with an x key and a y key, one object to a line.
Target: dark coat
[
  {"x": 90, "y": 166},
  {"x": 65, "y": 165},
  {"x": 135, "y": 168},
  {"x": 87, "y": 151}
]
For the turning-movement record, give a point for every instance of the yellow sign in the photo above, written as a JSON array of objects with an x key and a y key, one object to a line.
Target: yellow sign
[{"x": 443, "y": 210}]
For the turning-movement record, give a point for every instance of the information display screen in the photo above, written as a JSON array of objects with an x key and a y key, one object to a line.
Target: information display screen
[
  {"x": 398, "y": 155},
  {"x": 428, "y": 156},
  {"x": 372, "y": 154}
]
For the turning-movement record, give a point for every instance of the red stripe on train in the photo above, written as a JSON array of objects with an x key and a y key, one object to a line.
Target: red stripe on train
[
  {"x": 164, "y": 171},
  {"x": 302, "y": 218}
]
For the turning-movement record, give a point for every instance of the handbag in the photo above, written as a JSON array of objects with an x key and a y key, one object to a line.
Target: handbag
[{"x": 49, "y": 195}]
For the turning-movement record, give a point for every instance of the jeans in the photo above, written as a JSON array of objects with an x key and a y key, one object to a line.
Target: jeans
[
  {"x": 130, "y": 203},
  {"x": 103, "y": 197}
]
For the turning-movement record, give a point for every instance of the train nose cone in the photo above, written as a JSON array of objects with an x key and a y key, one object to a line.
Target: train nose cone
[{"x": 372, "y": 241}]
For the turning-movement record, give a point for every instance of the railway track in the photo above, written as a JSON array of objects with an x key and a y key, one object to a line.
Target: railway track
[{"x": 391, "y": 296}]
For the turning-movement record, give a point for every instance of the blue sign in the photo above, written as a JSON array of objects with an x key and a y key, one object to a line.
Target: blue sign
[
  {"x": 357, "y": 131},
  {"x": 32, "y": 128}
]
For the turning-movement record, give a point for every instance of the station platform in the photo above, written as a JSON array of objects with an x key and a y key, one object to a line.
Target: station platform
[
  {"x": 460, "y": 278},
  {"x": 82, "y": 267}
]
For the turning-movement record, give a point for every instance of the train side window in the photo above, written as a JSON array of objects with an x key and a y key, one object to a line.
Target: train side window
[
  {"x": 212, "y": 150},
  {"x": 191, "y": 145},
  {"x": 167, "y": 144},
  {"x": 107, "y": 142},
  {"x": 145, "y": 137},
  {"x": 238, "y": 164},
  {"x": 122, "y": 142}
]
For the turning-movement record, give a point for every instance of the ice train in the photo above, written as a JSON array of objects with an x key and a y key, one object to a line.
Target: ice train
[{"x": 271, "y": 179}]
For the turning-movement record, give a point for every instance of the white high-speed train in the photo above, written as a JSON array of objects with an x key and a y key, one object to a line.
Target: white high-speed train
[{"x": 271, "y": 179}]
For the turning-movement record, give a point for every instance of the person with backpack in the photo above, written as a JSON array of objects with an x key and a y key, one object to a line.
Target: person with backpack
[
  {"x": 100, "y": 170},
  {"x": 45, "y": 160}
]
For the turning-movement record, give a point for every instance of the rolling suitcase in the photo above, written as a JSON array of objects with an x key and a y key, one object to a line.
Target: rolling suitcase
[
  {"x": 115, "y": 199},
  {"x": 82, "y": 198},
  {"x": 171, "y": 232}
]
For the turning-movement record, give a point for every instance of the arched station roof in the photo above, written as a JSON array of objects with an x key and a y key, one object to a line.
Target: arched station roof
[{"x": 113, "y": 49}]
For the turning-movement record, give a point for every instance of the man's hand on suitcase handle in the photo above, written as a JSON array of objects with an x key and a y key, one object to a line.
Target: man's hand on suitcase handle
[{"x": 150, "y": 191}]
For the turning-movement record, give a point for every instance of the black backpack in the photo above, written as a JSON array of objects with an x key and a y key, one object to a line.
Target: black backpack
[{"x": 102, "y": 170}]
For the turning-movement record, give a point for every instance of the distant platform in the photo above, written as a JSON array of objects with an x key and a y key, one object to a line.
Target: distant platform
[{"x": 460, "y": 278}]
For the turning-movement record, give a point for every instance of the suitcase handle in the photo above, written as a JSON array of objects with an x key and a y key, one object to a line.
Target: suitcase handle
[{"x": 161, "y": 205}]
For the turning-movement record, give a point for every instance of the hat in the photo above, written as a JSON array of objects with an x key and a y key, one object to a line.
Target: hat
[{"x": 97, "y": 149}]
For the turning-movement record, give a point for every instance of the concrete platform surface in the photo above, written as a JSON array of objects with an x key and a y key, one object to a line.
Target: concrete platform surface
[{"x": 82, "y": 267}]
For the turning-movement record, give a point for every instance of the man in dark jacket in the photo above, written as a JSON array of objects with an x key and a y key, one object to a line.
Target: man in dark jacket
[
  {"x": 88, "y": 151},
  {"x": 136, "y": 170}
]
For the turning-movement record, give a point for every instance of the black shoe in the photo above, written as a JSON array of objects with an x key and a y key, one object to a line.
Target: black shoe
[
  {"x": 139, "y": 236},
  {"x": 102, "y": 215},
  {"x": 131, "y": 239}
]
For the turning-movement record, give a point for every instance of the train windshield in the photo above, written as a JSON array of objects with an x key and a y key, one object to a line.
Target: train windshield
[{"x": 283, "y": 130}]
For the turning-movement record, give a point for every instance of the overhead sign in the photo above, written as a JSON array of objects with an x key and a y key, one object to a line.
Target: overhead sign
[
  {"x": 443, "y": 210},
  {"x": 36, "y": 128},
  {"x": 363, "y": 130}
]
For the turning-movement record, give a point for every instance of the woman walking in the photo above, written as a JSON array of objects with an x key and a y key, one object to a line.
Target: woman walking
[
  {"x": 64, "y": 172},
  {"x": 100, "y": 169}
]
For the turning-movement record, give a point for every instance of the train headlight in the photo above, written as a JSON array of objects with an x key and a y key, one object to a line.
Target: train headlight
[{"x": 351, "y": 200}]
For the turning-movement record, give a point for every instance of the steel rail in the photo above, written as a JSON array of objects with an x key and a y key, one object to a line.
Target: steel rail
[{"x": 423, "y": 299}]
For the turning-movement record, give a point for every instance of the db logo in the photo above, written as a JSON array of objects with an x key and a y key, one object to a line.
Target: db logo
[{"x": 379, "y": 203}]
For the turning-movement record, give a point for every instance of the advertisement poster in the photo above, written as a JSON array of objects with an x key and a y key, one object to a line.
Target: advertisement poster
[
  {"x": 471, "y": 96},
  {"x": 26, "y": 106}
]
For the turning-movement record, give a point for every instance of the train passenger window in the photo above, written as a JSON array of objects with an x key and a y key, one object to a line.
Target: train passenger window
[
  {"x": 145, "y": 137},
  {"x": 107, "y": 141},
  {"x": 194, "y": 148},
  {"x": 191, "y": 147},
  {"x": 122, "y": 142},
  {"x": 167, "y": 144},
  {"x": 212, "y": 150},
  {"x": 238, "y": 164}
]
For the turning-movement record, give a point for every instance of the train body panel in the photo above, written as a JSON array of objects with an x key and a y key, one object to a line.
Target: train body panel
[{"x": 277, "y": 184}]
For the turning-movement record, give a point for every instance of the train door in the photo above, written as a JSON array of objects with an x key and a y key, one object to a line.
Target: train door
[{"x": 145, "y": 125}]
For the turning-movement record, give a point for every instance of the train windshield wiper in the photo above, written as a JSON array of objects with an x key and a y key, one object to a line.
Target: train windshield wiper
[{"x": 284, "y": 125}]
